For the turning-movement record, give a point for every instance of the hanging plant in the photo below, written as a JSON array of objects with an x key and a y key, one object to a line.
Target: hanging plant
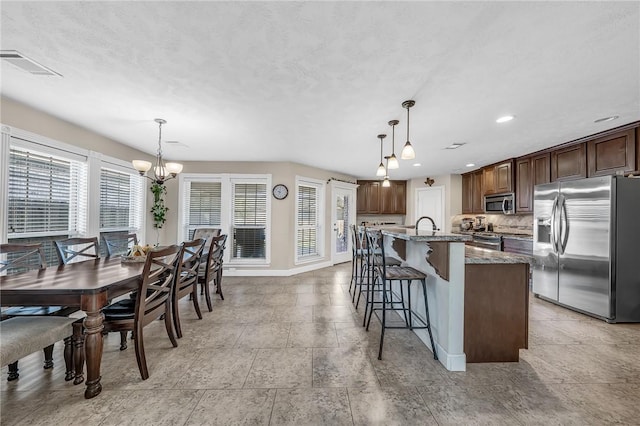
[{"x": 159, "y": 210}]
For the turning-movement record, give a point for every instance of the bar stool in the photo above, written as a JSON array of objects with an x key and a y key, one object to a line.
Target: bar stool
[
  {"x": 357, "y": 259},
  {"x": 405, "y": 275}
]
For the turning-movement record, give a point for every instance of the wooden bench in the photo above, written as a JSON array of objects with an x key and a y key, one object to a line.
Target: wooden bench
[{"x": 21, "y": 336}]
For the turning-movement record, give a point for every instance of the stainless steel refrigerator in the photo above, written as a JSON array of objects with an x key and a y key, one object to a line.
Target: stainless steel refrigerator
[{"x": 586, "y": 246}]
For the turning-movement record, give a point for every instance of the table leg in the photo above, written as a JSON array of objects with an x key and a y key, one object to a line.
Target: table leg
[{"x": 93, "y": 342}]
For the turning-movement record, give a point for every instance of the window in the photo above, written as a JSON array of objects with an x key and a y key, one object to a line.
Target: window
[
  {"x": 237, "y": 204},
  {"x": 46, "y": 195},
  {"x": 249, "y": 220},
  {"x": 202, "y": 206},
  {"x": 121, "y": 201},
  {"x": 308, "y": 219}
]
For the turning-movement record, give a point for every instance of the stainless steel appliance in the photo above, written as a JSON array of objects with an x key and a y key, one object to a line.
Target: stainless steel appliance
[
  {"x": 502, "y": 203},
  {"x": 486, "y": 240},
  {"x": 585, "y": 239}
]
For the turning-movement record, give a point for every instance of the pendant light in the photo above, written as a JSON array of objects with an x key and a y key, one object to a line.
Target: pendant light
[
  {"x": 385, "y": 182},
  {"x": 407, "y": 152},
  {"x": 393, "y": 161},
  {"x": 162, "y": 171},
  {"x": 382, "y": 171}
]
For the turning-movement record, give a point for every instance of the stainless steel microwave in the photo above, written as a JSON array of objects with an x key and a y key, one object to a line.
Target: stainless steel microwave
[{"x": 502, "y": 203}]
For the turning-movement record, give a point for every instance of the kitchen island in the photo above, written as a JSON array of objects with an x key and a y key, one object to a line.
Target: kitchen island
[{"x": 473, "y": 294}]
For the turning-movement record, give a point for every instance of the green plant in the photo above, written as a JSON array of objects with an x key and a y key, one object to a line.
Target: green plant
[{"x": 159, "y": 210}]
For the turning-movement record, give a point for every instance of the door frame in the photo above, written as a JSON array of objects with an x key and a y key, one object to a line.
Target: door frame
[
  {"x": 439, "y": 188},
  {"x": 352, "y": 188}
]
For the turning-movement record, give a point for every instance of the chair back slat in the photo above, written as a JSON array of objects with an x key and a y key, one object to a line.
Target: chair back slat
[
  {"x": 16, "y": 258},
  {"x": 375, "y": 250},
  {"x": 73, "y": 250},
  {"x": 119, "y": 243},
  {"x": 158, "y": 276},
  {"x": 206, "y": 233},
  {"x": 187, "y": 272}
]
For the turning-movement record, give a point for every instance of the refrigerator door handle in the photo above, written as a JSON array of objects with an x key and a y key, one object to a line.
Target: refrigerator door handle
[
  {"x": 554, "y": 239},
  {"x": 564, "y": 226}
]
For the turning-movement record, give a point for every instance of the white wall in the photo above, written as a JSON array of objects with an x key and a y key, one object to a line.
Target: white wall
[{"x": 18, "y": 115}]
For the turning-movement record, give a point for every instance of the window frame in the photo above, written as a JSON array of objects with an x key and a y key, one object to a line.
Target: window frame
[
  {"x": 320, "y": 186},
  {"x": 227, "y": 180}
]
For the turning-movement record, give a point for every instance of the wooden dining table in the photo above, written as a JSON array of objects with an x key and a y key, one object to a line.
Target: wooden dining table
[{"x": 87, "y": 285}]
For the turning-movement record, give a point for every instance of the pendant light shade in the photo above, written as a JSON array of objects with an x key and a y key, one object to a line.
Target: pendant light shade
[
  {"x": 407, "y": 151},
  {"x": 386, "y": 183},
  {"x": 393, "y": 161},
  {"x": 382, "y": 170}
]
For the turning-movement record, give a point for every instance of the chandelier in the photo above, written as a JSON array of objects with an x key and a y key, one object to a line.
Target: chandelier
[{"x": 162, "y": 171}]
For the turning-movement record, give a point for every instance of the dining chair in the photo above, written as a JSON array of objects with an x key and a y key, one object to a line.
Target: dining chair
[
  {"x": 119, "y": 243},
  {"x": 158, "y": 279},
  {"x": 211, "y": 269},
  {"x": 72, "y": 250},
  {"x": 19, "y": 258},
  {"x": 187, "y": 279},
  {"x": 206, "y": 233}
]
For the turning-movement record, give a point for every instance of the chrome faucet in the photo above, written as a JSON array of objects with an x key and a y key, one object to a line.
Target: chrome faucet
[{"x": 435, "y": 228}]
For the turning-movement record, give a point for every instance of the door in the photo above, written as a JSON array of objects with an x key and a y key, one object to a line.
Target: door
[
  {"x": 545, "y": 255},
  {"x": 343, "y": 216},
  {"x": 430, "y": 202},
  {"x": 584, "y": 215}
]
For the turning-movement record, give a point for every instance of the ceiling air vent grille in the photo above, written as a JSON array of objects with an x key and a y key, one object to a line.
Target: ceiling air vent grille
[{"x": 18, "y": 60}]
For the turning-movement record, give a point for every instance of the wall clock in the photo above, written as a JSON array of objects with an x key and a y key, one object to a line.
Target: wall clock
[{"x": 280, "y": 192}]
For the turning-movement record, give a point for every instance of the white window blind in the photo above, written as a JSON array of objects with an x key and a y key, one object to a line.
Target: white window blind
[
  {"x": 46, "y": 195},
  {"x": 249, "y": 220},
  {"x": 121, "y": 199},
  {"x": 202, "y": 206},
  {"x": 307, "y": 221}
]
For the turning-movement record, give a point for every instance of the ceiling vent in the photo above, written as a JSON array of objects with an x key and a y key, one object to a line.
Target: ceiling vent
[{"x": 20, "y": 61}]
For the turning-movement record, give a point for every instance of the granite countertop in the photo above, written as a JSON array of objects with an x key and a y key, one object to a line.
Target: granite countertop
[
  {"x": 410, "y": 234},
  {"x": 480, "y": 255},
  {"x": 524, "y": 237}
]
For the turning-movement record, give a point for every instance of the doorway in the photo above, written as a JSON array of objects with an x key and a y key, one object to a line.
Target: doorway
[{"x": 343, "y": 216}]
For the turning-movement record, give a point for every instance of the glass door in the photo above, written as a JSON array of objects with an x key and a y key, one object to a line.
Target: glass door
[{"x": 343, "y": 216}]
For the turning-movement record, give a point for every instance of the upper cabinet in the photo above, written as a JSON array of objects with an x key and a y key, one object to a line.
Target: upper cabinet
[
  {"x": 611, "y": 154},
  {"x": 498, "y": 178},
  {"x": 618, "y": 151},
  {"x": 373, "y": 198},
  {"x": 569, "y": 163},
  {"x": 530, "y": 171},
  {"x": 368, "y": 197},
  {"x": 472, "y": 192}
]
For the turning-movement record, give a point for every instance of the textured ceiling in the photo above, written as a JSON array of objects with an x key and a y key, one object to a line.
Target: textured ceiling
[{"x": 315, "y": 82}]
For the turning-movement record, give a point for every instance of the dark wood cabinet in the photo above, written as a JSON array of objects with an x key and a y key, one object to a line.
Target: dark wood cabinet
[
  {"x": 467, "y": 193},
  {"x": 613, "y": 153},
  {"x": 503, "y": 177},
  {"x": 524, "y": 198},
  {"x": 373, "y": 198},
  {"x": 477, "y": 200},
  {"x": 498, "y": 178},
  {"x": 569, "y": 163},
  {"x": 488, "y": 180},
  {"x": 368, "y": 197},
  {"x": 530, "y": 171},
  {"x": 393, "y": 199}
]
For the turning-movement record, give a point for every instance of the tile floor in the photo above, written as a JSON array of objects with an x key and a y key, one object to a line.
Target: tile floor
[{"x": 291, "y": 351}]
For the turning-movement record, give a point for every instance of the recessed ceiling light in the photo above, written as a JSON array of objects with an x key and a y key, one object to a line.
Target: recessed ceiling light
[
  {"x": 601, "y": 120},
  {"x": 470, "y": 165},
  {"x": 505, "y": 118},
  {"x": 417, "y": 164},
  {"x": 455, "y": 145}
]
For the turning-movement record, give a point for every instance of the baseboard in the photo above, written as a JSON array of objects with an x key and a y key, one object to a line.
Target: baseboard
[{"x": 237, "y": 271}]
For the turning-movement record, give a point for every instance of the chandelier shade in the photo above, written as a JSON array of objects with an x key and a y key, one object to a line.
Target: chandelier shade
[{"x": 162, "y": 171}]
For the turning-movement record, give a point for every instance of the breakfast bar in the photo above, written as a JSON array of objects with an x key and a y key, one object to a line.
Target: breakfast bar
[{"x": 478, "y": 298}]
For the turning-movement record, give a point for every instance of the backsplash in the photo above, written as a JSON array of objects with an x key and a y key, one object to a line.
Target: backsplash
[
  {"x": 511, "y": 224},
  {"x": 380, "y": 219}
]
